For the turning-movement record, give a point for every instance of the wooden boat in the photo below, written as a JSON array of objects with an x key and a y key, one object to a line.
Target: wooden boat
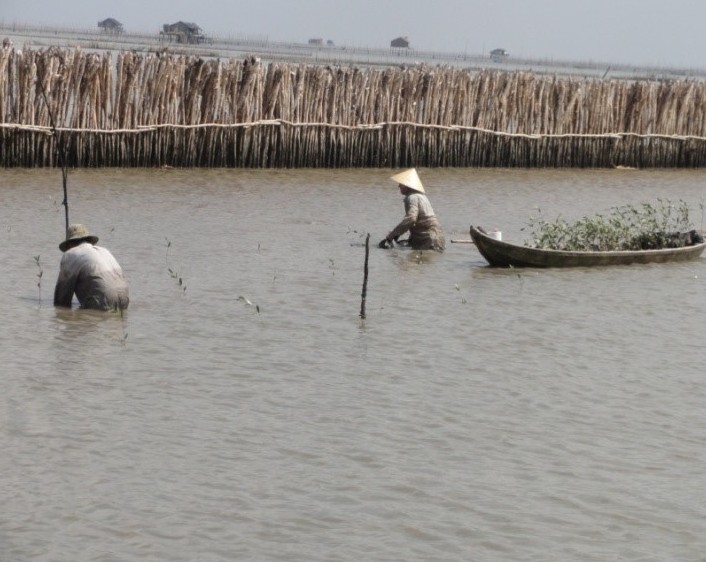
[{"x": 504, "y": 254}]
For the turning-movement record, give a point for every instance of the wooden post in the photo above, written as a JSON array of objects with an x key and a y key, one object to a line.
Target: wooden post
[
  {"x": 61, "y": 153},
  {"x": 365, "y": 277}
]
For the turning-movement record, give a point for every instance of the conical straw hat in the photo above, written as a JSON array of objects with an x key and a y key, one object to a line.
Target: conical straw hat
[{"x": 409, "y": 178}]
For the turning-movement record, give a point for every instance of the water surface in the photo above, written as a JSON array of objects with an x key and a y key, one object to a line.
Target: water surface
[{"x": 247, "y": 413}]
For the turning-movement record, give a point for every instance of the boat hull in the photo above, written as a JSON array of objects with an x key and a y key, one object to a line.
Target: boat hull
[{"x": 503, "y": 254}]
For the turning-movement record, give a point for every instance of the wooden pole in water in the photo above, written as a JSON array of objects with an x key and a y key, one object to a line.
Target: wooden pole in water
[
  {"x": 61, "y": 156},
  {"x": 365, "y": 277}
]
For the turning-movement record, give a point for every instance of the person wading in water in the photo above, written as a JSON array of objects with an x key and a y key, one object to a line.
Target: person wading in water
[
  {"x": 91, "y": 272},
  {"x": 420, "y": 220}
]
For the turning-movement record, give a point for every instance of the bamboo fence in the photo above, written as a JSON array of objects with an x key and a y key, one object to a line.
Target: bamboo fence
[{"x": 150, "y": 110}]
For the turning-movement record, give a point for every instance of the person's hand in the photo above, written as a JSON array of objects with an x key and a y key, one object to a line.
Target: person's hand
[{"x": 384, "y": 244}]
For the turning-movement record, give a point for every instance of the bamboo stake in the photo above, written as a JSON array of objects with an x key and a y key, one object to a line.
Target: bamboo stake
[
  {"x": 60, "y": 149},
  {"x": 364, "y": 293}
]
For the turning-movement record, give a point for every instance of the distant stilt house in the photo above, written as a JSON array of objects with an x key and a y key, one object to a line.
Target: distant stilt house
[
  {"x": 319, "y": 42},
  {"x": 498, "y": 55},
  {"x": 111, "y": 26},
  {"x": 400, "y": 43},
  {"x": 182, "y": 32}
]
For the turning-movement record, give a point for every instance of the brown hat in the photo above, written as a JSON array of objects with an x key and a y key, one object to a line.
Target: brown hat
[
  {"x": 409, "y": 178},
  {"x": 77, "y": 233}
]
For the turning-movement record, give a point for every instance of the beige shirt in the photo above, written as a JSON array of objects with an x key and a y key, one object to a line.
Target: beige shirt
[
  {"x": 422, "y": 224},
  {"x": 94, "y": 275}
]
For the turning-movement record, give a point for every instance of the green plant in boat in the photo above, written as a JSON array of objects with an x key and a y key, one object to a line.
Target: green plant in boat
[{"x": 646, "y": 227}]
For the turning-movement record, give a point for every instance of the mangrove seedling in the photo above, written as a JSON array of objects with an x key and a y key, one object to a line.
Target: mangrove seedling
[
  {"x": 40, "y": 273},
  {"x": 172, "y": 273},
  {"x": 248, "y": 303},
  {"x": 463, "y": 298},
  {"x": 624, "y": 228}
]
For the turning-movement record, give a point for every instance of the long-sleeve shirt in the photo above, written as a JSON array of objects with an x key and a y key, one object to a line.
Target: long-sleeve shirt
[
  {"x": 94, "y": 275},
  {"x": 420, "y": 220}
]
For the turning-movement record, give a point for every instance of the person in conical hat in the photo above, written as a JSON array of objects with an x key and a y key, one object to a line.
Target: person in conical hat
[
  {"x": 420, "y": 221},
  {"x": 90, "y": 272}
]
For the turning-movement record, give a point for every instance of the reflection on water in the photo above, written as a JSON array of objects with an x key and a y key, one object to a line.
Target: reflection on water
[{"x": 475, "y": 414}]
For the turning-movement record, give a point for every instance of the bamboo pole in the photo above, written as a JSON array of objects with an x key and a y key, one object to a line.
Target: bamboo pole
[{"x": 364, "y": 293}]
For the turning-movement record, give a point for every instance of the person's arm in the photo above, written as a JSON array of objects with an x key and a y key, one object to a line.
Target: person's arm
[
  {"x": 65, "y": 285},
  {"x": 409, "y": 220}
]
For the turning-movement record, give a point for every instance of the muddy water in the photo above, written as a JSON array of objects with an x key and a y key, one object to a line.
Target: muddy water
[{"x": 247, "y": 413}]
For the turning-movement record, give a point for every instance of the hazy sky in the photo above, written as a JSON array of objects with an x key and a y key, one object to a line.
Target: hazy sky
[{"x": 641, "y": 32}]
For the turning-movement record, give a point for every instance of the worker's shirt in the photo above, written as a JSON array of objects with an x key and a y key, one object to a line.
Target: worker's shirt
[
  {"x": 419, "y": 216},
  {"x": 94, "y": 275}
]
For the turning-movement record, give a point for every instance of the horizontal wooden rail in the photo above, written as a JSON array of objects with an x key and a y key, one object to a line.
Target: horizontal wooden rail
[{"x": 361, "y": 127}]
